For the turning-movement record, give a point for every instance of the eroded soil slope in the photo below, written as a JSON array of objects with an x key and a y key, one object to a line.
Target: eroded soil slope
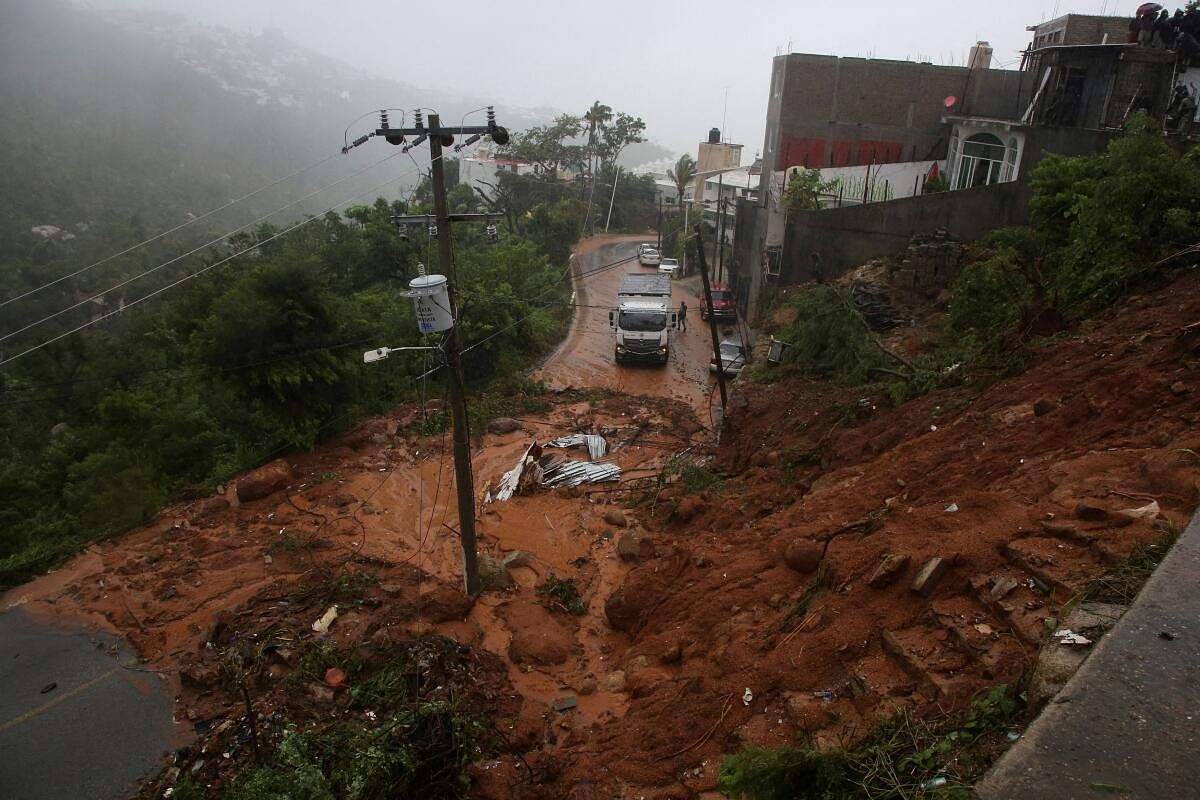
[{"x": 769, "y": 581}]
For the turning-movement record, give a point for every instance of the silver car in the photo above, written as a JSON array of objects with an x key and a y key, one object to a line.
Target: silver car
[{"x": 733, "y": 358}]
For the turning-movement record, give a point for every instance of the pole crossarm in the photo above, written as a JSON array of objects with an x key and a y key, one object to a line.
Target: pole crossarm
[
  {"x": 429, "y": 219},
  {"x": 460, "y": 130}
]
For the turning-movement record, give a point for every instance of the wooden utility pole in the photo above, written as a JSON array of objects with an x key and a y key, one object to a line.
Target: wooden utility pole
[
  {"x": 712, "y": 318},
  {"x": 439, "y": 138},
  {"x": 464, "y": 483}
]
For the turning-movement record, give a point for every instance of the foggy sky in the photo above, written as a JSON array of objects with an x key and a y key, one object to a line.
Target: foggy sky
[{"x": 667, "y": 62}]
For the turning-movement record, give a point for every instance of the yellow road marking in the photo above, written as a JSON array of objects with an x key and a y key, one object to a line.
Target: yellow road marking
[{"x": 28, "y": 715}]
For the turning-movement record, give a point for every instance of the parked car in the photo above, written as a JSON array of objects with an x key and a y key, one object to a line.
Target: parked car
[
  {"x": 669, "y": 266},
  {"x": 724, "y": 308},
  {"x": 733, "y": 358},
  {"x": 648, "y": 255}
]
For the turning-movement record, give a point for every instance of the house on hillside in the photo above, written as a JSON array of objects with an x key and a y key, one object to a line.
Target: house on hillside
[{"x": 883, "y": 128}]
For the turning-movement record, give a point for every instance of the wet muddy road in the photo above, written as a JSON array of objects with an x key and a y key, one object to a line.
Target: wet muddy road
[{"x": 585, "y": 359}]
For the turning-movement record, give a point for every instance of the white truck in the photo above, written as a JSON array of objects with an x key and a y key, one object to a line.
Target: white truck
[{"x": 643, "y": 318}]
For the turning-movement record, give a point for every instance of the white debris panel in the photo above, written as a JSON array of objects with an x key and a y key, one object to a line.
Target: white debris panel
[{"x": 597, "y": 446}]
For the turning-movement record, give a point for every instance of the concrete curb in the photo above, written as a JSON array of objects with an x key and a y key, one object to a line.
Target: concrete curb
[{"x": 1127, "y": 724}]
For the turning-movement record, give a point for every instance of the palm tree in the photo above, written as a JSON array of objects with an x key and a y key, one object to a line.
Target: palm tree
[
  {"x": 683, "y": 174},
  {"x": 596, "y": 117}
]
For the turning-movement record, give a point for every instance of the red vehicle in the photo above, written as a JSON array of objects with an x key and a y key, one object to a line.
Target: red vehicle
[{"x": 724, "y": 308}]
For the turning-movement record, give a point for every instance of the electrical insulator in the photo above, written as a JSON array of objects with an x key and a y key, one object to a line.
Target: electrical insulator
[
  {"x": 490, "y": 230},
  {"x": 403, "y": 229},
  {"x": 433, "y": 231}
]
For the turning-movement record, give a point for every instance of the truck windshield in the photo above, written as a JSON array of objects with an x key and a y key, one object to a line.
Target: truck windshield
[{"x": 643, "y": 321}]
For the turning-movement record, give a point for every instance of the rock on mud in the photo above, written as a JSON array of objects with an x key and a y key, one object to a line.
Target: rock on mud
[
  {"x": 443, "y": 603},
  {"x": 537, "y": 636},
  {"x": 689, "y": 508},
  {"x": 616, "y": 517},
  {"x": 803, "y": 555},
  {"x": 264, "y": 481},
  {"x": 503, "y": 425},
  {"x": 635, "y": 545}
]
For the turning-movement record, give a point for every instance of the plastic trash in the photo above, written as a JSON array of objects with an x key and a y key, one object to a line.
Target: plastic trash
[
  {"x": 322, "y": 625},
  {"x": 747, "y": 696},
  {"x": 1068, "y": 636},
  {"x": 934, "y": 783},
  {"x": 952, "y": 508}
]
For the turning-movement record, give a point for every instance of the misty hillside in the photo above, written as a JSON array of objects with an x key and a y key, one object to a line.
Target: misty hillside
[{"x": 121, "y": 124}]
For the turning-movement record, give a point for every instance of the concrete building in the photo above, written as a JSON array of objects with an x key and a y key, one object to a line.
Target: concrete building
[
  {"x": 825, "y": 111},
  {"x": 1079, "y": 29},
  {"x": 713, "y": 155}
]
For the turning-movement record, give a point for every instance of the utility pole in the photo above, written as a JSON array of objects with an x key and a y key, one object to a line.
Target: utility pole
[
  {"x": 719, "y": 255},
  {"x": 660, "y": 207},
  {"x": 439, "y": 138},
  {"x": 616, "y": 179},
  {"x": 712, "y": 318}
]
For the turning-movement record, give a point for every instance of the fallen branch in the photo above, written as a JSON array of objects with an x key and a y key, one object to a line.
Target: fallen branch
[{"x": 704, "y": 738}]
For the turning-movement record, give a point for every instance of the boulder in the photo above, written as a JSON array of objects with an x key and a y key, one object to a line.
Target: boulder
[
  {"x": 503, "y": 425},
  {"x": 1043, "y": 407},
  {"x": 264, "y": 481},
  {"x": 518, "y": 558},
  {"x": 635, "y": 545},
  {"x": 803, "y": 555},
  {"x": 1090, "y": 513},
  {"x": 688, "y": 508},
  {"x": 443, "y": 603},
  {"x": 616, "y": 517},
  {"x": 538, "y": 637},
  {"x": 615, "y": 681}
]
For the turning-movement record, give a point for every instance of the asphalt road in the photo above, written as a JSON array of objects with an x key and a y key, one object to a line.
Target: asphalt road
[{"x": 103, "y": 727}]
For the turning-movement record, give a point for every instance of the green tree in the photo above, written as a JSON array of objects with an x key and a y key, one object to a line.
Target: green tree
[
  {"x": 596, "y": 118},
  {"x": 804, "y": 190},
  {"x": 682, "y": 174}
]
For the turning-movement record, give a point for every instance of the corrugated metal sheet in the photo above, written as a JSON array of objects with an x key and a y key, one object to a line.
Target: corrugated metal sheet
[{"x": 596, "y": 446}]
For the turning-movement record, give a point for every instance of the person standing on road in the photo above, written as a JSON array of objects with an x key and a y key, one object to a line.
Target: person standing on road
[{"x": 682, "y": 316}]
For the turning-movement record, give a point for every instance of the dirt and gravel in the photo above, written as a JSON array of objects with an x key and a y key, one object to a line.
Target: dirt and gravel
[{"x": 779, "y": 601}]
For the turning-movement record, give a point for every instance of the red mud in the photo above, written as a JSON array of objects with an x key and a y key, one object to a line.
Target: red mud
[{"x": 660, "y": 661}]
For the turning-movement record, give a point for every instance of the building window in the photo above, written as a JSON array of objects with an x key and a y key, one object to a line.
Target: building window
[
  {"x": 982, "y": 162},
  {"x": 1066, "y": 97}
]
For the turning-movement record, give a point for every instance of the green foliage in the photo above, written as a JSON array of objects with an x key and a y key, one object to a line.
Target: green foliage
[
  {"x": 682, "y": 175},
  {"x": 901, "y": 759},
  {"x": 1122, "y": 583},
  {"x": 783, "y": 774},
  {"x": 829, "y": 336},
  {"x": 804, "y": 190},
  {"x": 693, "y": 477},
  {"x": 244, "y": 363},
  {"x": 935, "y": 184},
  {"x": 564, "y": 593},
  {"x": 1108, "y": 218}
]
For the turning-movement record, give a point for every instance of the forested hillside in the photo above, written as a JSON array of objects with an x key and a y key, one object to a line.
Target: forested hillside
[{"x": 123, "y": 128}]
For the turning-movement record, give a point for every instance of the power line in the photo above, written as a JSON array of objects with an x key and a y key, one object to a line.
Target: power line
[
  {"x": 190, "y": 276},
  {"x": 194, "y": 250},
  {"x": 168, "y": 232}
]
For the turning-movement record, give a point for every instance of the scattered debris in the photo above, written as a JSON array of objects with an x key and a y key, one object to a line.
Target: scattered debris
[
  {"x": 952, "y": 508},
  {"x": 1067, "y": 636},
  {"x": 568, "y": 472},
  {"x": 927, "y": 579},
  {"x": 322, "y": 625},
  {"x": 565, "y": 703},
  {"x": 747, "y": 697},
  {"x": 888, "y": 570},
  {"x": 596, "y": 446}
]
